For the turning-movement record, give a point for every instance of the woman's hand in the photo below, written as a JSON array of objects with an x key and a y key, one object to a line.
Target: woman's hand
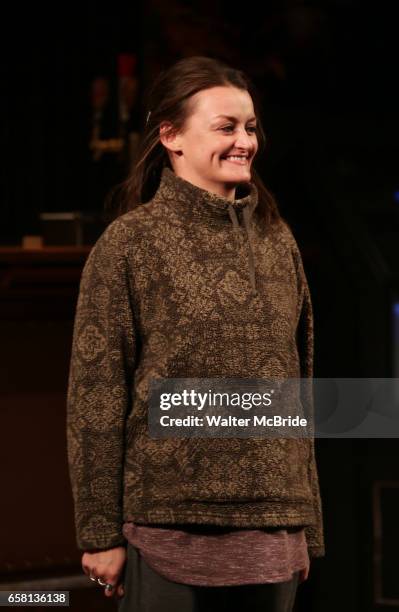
[
  {"x": 304, "y": 573},
  {"x": 107, "y": 565}
]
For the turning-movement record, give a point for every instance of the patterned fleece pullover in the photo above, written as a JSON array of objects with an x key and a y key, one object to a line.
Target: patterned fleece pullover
[{"x": 189, "y": 284}]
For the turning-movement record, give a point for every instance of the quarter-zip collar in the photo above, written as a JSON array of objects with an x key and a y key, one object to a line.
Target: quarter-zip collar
[{"x": 193, "y": 201}]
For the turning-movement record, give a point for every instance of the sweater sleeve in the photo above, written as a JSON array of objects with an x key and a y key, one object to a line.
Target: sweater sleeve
[
  {"x": 102, "y": 361},
  {"x": 314, "y": 533},
  {"x": 305, "y": 337}
]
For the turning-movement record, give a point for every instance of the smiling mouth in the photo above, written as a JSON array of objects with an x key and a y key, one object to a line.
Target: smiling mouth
[{"x": 239, "y": 160}]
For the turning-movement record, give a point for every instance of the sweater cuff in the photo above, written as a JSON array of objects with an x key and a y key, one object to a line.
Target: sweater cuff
[
  {"x": 101, "y": 542},
  {"x": 316, "y": 551}
]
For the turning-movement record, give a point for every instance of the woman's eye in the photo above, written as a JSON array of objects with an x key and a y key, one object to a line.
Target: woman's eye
[{"x": 230, "y": 127}]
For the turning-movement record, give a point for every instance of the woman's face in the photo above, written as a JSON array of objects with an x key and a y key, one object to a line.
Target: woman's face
[{"x": 221, "y": 126}]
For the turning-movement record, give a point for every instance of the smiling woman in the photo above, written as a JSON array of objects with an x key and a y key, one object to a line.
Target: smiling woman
[
  {"x": 209, "y": 153},
  {"x": 199, "y": 277},
  {"x": 189, "y": 99}
]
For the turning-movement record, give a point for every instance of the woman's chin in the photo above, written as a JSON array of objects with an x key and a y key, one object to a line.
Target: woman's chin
[{"x": 238, "y": 176}]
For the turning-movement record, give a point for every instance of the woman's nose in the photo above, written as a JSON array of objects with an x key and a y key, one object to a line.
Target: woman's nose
[{"x": 243, "y": 139}]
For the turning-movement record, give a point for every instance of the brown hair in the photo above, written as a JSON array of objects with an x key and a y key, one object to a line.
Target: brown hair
[{"x": 167, "y": 100}]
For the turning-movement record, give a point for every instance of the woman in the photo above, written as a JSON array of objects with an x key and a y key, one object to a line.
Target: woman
[{"x": 198, "y": 276}]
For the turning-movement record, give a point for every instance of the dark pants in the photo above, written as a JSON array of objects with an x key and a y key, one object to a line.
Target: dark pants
[{"x": 148, "y": 591}]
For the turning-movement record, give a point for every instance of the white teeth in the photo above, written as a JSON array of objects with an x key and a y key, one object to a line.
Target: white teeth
[{"x": 239, "y": 157}]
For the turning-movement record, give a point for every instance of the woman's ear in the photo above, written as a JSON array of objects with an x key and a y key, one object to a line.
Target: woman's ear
[{"x": 169, "y": 137}]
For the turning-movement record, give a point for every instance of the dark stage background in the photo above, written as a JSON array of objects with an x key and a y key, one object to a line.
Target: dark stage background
[{"x": 326, "y": 72}]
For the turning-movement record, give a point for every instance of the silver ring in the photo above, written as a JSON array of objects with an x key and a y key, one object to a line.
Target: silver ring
[
  {"x": 100, "y": 582},
  {"x": 109, "y": 587},
  {"x": 93, "y": 579}
]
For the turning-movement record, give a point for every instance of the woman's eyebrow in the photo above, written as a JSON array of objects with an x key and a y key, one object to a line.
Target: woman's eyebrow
[{"x": 233, "y": 118}]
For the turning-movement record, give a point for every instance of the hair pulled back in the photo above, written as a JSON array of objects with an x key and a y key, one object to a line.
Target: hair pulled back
[{"x": 168, "y": 99}]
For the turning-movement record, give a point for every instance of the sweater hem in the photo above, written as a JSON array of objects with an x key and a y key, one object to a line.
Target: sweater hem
[{"x": 232, "y": 519}]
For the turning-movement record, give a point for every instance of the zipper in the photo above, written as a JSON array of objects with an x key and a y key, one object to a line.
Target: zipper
[{"x": 239, "y": 230}]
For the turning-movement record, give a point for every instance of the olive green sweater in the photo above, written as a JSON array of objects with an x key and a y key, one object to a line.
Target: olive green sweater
[{"x": 189, "y": 284}]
